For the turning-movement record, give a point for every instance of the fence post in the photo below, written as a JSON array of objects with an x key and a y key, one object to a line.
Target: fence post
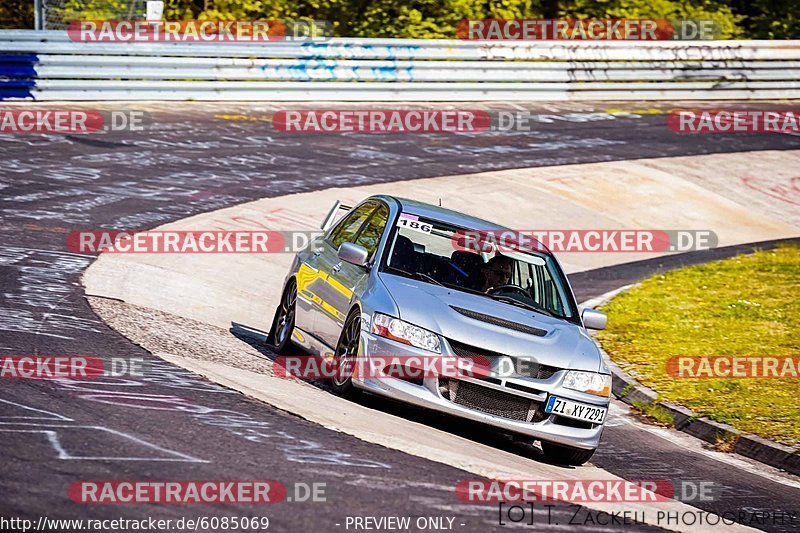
[{"x": 38, "y": 15}]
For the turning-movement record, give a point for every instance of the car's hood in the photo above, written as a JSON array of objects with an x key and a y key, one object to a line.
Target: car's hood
[{"x": 564, "y": 345}]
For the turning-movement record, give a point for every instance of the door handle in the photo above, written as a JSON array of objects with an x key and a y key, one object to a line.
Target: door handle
[
  {"x": 336, "y": 268},
  {"x": 317, "y": 253}
]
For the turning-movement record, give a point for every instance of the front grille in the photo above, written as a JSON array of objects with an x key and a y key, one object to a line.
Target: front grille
[
  {"x": 502, "y": 322},
  {"x": 491, "y": 401},
  {"x": 530, "y": 369}
]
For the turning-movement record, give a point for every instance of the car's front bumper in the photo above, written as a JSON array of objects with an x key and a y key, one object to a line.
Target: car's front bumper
[{"x": 433, "y": 393}]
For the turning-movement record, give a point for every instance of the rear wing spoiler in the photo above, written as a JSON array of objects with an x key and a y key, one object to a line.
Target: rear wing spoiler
[{"x": 332, "y": 217}]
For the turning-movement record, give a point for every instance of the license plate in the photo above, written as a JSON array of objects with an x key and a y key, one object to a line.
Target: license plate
[{"x": 578, "y": 411}]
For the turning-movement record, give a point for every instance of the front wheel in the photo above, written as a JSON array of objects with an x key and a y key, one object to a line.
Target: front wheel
[
  {"x": 566, "y": 455},
  {"x": 284, "y": 319},
  {"x": 344, "y": 359}
]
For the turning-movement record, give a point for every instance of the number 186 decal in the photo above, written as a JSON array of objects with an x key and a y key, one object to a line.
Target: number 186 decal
[{"x": 412, "y": 222}]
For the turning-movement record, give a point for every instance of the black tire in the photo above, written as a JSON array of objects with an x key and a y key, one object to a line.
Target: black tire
[
  {"x": 566, "y": 455},
  {"x": 283, "y": 325},
  {"x": 345, "y": 354}
]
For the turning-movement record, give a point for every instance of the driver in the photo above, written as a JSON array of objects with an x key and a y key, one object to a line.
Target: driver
[{"x": 496, "y": 272}]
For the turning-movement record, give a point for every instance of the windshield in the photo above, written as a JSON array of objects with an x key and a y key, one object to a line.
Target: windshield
[{"x": 429, "y": 251}]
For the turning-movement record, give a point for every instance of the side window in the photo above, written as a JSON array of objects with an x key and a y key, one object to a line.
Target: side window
[
  {"x": 516, "y": 275},
  {"x": 347, "y": 229},
  {"x": 370, "y": 236},
  {"x": 534, "y": 282}
]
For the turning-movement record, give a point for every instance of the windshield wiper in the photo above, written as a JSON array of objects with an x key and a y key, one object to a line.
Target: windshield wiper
[
  {"x": 418, "y": 275},
  {"x": 514, "y": 301}
]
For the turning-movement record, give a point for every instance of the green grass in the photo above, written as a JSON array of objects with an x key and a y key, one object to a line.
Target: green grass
[
  {"x": 748, "y": 305},
  {"x": 655, "y": 413}
]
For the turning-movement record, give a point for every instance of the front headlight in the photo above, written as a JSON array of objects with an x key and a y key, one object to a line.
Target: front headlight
[
  {"x": 589, "y": 382},
  {"x": 401, "y": 331}
]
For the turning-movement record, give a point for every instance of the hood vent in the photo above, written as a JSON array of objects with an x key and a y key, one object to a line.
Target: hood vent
[{"x": 503, "y": 323}]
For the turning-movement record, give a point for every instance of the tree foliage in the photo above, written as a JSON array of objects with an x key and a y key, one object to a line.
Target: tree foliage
[
  {"x": 756, "y": 19},
  {"x": 16, "y": 14},
  {"x": 769, "y": 19}
]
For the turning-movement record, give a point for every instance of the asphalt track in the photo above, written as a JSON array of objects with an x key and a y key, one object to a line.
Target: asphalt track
[{"x": 173, "y": 426}]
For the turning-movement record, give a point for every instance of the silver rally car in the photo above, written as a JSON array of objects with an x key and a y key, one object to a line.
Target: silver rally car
[{"x": 388, "y": 278}]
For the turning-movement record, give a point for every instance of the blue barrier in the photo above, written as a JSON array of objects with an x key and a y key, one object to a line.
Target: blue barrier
[{"x": 17, "y": 76}]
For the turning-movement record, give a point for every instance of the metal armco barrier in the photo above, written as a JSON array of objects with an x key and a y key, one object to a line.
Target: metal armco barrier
[{"x": 46, "y": 65}]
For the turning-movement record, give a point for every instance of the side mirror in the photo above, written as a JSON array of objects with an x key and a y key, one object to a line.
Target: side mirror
[
  {"x": 353, "y": 253},
  {"x": 594, "y": 319}
]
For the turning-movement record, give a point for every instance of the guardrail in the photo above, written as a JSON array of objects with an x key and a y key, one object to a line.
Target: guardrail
[{"x": 46, "y": 65}]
